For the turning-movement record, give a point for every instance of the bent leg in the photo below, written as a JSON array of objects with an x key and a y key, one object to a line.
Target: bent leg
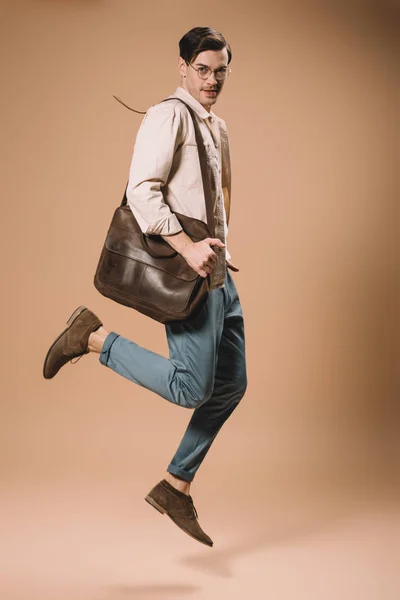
[
  {"x": 187, "y": 377},
  {"x": 229, "y": 387}
]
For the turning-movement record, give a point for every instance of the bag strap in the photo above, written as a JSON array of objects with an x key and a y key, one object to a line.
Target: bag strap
[{"x": 203, "y": 167}]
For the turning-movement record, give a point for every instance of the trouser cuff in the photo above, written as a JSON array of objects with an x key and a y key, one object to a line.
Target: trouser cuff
[
  {"x": 180, "y": 473},
  {"x": 105, "y": 351}
]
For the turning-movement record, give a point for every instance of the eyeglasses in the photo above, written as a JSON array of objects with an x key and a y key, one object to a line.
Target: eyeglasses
[{"x": 205, "y": 72}]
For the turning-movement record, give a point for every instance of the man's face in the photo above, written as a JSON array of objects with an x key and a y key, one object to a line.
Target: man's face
[{"x": 206, "y": 91}]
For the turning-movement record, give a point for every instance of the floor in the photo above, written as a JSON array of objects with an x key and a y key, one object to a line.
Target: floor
[{"x": 70, "y": 540}]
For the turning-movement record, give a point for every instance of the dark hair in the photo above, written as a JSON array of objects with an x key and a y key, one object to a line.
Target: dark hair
[{"x": 200, "y": 39}]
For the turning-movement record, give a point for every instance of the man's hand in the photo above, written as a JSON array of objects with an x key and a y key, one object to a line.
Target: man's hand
[{"x": 199, "y": 255}]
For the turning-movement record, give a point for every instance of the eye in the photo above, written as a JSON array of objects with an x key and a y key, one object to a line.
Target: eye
[{"x": 203, "y": 69}]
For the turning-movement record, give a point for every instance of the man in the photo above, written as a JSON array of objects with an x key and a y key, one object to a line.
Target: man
[{"x": 206, "y": 369}]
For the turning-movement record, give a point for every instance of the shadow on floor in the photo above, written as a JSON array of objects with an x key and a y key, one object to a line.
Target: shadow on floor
[
  {"x": 150, "y": 592},
  {"x": 277, "y": 528}
]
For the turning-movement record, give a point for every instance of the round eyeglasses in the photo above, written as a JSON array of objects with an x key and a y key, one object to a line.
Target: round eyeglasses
[{"x": 204, "y": 72}]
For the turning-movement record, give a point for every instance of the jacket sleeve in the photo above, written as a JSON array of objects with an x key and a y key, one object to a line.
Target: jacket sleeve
[{"x": 156, "y": 142}]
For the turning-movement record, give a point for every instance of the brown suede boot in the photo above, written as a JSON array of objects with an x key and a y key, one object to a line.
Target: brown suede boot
[
  {"x": 179, "y": 507},
  {"x": 72, "y": 342}
]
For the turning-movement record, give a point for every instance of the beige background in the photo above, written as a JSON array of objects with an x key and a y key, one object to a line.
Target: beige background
[{"x": 300, "y": 490}]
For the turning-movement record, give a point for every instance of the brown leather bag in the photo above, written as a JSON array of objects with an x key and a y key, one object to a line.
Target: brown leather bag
[{"x": 144, "y": 271}]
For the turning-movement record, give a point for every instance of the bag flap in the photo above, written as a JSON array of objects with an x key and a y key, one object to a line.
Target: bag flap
[{"x": 129, "y": 244}]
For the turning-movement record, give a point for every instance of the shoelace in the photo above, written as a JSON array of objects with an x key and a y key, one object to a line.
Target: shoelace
[
  {"x": 72, "y": 362},
  {"x": 193, "y": 506}
]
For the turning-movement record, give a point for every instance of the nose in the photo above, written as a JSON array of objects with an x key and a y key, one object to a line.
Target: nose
[{"x": 214, "y": 79}]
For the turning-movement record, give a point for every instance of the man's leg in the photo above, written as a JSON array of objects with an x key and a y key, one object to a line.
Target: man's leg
[
  {"x": 229, "y": 387},
  {"x": 187, "y": 377}
]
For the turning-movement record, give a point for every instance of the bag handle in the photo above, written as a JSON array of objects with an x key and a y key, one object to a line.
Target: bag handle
[{"x": 203, "y": 167}]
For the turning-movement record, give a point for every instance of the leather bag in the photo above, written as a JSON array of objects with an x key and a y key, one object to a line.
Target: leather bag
[{"x": 143, "y": 271}]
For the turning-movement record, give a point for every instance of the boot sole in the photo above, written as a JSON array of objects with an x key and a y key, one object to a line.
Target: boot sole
[
  {"x": 155, "y": 505},
  {"x": 162, "y": 510},
  {"x": 71, "y": 319}
]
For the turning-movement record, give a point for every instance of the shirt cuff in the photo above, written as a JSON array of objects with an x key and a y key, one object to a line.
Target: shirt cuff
[{"x": 168, "y": 226}]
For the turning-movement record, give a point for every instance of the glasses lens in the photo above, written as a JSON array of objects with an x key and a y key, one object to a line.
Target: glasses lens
[
  {"x": 223, "y": 74},
  {"x": 204, "y": 72}
]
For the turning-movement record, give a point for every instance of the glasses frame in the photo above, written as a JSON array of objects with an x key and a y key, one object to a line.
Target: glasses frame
[{"x": 228, "y": 72}]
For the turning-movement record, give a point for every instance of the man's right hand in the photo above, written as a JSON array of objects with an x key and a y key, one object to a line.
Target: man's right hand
[{"x": 199, "y": 255}]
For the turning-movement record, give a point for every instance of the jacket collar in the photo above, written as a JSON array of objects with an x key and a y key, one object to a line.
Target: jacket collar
[{"x": 184, "y": 95}]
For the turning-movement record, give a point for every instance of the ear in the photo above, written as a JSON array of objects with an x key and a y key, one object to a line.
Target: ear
[{"x": 182, "y": 66}]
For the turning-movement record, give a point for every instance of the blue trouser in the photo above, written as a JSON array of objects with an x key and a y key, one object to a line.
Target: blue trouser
[{"x": 206, "y": 371}]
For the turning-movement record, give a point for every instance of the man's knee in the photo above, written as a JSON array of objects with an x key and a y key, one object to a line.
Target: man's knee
[
  {"x": 231, "y": 392},
  {"x": 195, "y": 398}
]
